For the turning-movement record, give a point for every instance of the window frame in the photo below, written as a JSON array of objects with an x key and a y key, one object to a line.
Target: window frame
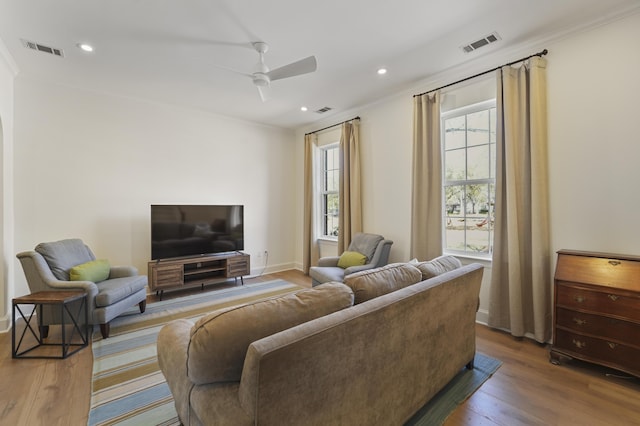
[
  {"x": 323, "y": 191},
  {"x": 491, "y": 181}
]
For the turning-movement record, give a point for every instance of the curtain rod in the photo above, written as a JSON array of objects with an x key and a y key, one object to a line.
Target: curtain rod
[
  {"x": 334, "y": 125},
  {"x": 541, "y": 54}
]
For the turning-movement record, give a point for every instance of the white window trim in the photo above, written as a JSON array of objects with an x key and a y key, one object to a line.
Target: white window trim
[{"x": 319, "y": 214}]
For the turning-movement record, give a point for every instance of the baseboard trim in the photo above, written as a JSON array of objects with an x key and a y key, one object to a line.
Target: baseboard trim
[{"x": 5, "y": 324}]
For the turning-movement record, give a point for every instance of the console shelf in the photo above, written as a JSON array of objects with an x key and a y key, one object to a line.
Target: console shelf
[{"x": 173, "y": 274}]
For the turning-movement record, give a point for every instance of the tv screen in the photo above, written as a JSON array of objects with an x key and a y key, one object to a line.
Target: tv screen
[{"x": 192, "y": 230}]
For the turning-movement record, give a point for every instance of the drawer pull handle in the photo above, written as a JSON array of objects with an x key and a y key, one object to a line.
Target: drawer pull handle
[
  {"x": 579, "y": 299},
  {"x": 614, "y": 262},
  {"x": 612, "y": 297},
  {"x": 579, "y": 321},
  {"x": 579, "y": 344},
  {"x": 612, "y": 345}
]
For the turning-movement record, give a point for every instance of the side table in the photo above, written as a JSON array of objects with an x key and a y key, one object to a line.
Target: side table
[{"x": 63, "y": 300}]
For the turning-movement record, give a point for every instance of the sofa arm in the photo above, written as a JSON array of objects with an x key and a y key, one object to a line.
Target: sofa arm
[
  {"x": 328, "y": 261},
  {"x": 123, "y": 271},
  {"x": 172, "y": 347}
]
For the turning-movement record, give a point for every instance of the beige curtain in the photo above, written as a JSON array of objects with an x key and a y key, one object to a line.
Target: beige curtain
[
  {"x": 310, "y": 242},
  {"x": 520, "y": 294},
  {"x": 426, "y": 198},
  {"x": 350, "y": 218}
]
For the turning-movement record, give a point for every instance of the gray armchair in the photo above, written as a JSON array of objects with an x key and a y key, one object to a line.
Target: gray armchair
[
  {"x": 48, "y": 268},
  {"x": 373, "y": 246}
]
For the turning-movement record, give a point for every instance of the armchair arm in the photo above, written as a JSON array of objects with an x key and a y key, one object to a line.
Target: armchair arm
[
  {"x": 328, "y": 261},
  {"x": 358, "y": 268},
  {"x": 40, "y": 277},
  {"x": 123, "y": 271}
]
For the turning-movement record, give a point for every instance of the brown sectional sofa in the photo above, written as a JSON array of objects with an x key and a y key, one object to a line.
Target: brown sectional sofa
[{"x": 376, "y": 362}]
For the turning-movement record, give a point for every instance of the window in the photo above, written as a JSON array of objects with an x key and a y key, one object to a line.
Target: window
[
  {"x": 329, "y": 194},
  {"x": 469, "y": 151}
]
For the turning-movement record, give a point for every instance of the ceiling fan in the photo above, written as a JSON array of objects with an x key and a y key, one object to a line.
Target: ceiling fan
[{"x": 263, "y": 77}]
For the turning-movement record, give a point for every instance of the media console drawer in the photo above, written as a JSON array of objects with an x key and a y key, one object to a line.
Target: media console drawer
[{"x": 597, "y": 309}]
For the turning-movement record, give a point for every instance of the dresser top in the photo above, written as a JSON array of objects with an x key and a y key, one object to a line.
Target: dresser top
[{"x": 600, "y": 254}]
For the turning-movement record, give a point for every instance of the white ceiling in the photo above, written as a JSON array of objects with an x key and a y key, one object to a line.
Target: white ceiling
[{"x": 172, "y": 51}]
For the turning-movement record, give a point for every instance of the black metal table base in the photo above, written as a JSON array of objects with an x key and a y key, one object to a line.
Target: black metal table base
[{"x": 66, "y": 344}]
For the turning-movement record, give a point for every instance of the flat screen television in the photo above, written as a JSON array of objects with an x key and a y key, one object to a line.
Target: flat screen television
[{"x": 193, "y": 230}]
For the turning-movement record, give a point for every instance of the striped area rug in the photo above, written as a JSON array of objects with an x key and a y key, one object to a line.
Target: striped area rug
[{"x": 127, "y": 385}]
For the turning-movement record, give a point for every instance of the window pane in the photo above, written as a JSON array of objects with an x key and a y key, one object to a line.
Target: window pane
[
  {"x": 492, "y": 125},
  {"x": 478, "y": 162},
  {"x": 455, "y": 164},
  {"x": 477, "y": 220},
  {"x": 332, "y": 180},
  {"x": 478, "y": 128},
  {"x": 331, "y": 216},
  {"x": 454, "y": 133}
]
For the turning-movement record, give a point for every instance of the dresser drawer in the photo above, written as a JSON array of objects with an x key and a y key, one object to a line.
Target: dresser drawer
[
  {"x": 598, "y": 326},
  {"x": 602, "y": 351},
  {"x": 601, "y": 300},
  {"x": 603, "y": 271}
]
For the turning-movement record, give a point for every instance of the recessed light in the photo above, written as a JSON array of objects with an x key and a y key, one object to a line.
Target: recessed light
[
  {"x": 85, "y": 47},
  {"x": 382, "y": 71},
  {"x": 304, "y": 108}
]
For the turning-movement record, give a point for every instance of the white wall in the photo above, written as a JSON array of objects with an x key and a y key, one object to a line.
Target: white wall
[
  {"x": 594, "y": 146},
  {"x": 88, "y": 165}
]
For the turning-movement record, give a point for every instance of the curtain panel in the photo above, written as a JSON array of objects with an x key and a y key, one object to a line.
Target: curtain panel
[
  {"x": 309, "y": 238},
  {"x": 520, "y": 293},
  {"x": 426, "y": 197},
  {"x": 350, "y": 204}
]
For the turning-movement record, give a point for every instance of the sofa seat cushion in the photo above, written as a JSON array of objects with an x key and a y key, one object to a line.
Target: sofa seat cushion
[
  {"x": 62, "y": 255},
  {"x": 219, "y": 340},
  {"x": 437, "y": 266},
  {"x": 378, "y": 281},
  {"x": 117, "y": 289}
]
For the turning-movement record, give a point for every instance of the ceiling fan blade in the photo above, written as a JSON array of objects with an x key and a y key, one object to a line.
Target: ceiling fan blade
[
  {"x": 303, "y": 66},
  {"x": 222, "y": 67},
  {"x": 265, "y": 92}
]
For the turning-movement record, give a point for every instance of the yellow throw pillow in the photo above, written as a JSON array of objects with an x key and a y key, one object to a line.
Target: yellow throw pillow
[
  {"x": 351, "y": 258},
  {"x": 94, "y": 271}
]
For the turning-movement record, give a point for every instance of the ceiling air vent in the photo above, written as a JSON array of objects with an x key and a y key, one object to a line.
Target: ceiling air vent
[
  {"x": 323, "y": 110},
  {"x": 41, "y": 48},
  {"x": 491, "y": 38}
]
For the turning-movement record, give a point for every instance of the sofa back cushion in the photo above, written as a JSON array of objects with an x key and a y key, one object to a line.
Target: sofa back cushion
[
  {"x": 62, "y": 255},
  {"x": 219, "y": 340},
  {"x": 378, "y": 281},
  {"x": 437, "y": 266}
]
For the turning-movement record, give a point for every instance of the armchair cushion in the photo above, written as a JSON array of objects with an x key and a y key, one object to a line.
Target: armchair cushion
[
  {"x": 365, "y": 244},
  {"x": 95, "y": 271},
  {"x": 351, "y": 258},
  {"x": 62, "y": 255},
  {"x": 114, "y": 290}
]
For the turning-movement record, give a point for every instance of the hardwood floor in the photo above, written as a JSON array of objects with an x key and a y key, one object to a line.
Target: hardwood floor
[{"x": 526, "y": 389}]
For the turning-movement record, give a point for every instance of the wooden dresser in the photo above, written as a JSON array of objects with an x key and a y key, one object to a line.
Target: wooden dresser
[{"x": 597, "y": 309}]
